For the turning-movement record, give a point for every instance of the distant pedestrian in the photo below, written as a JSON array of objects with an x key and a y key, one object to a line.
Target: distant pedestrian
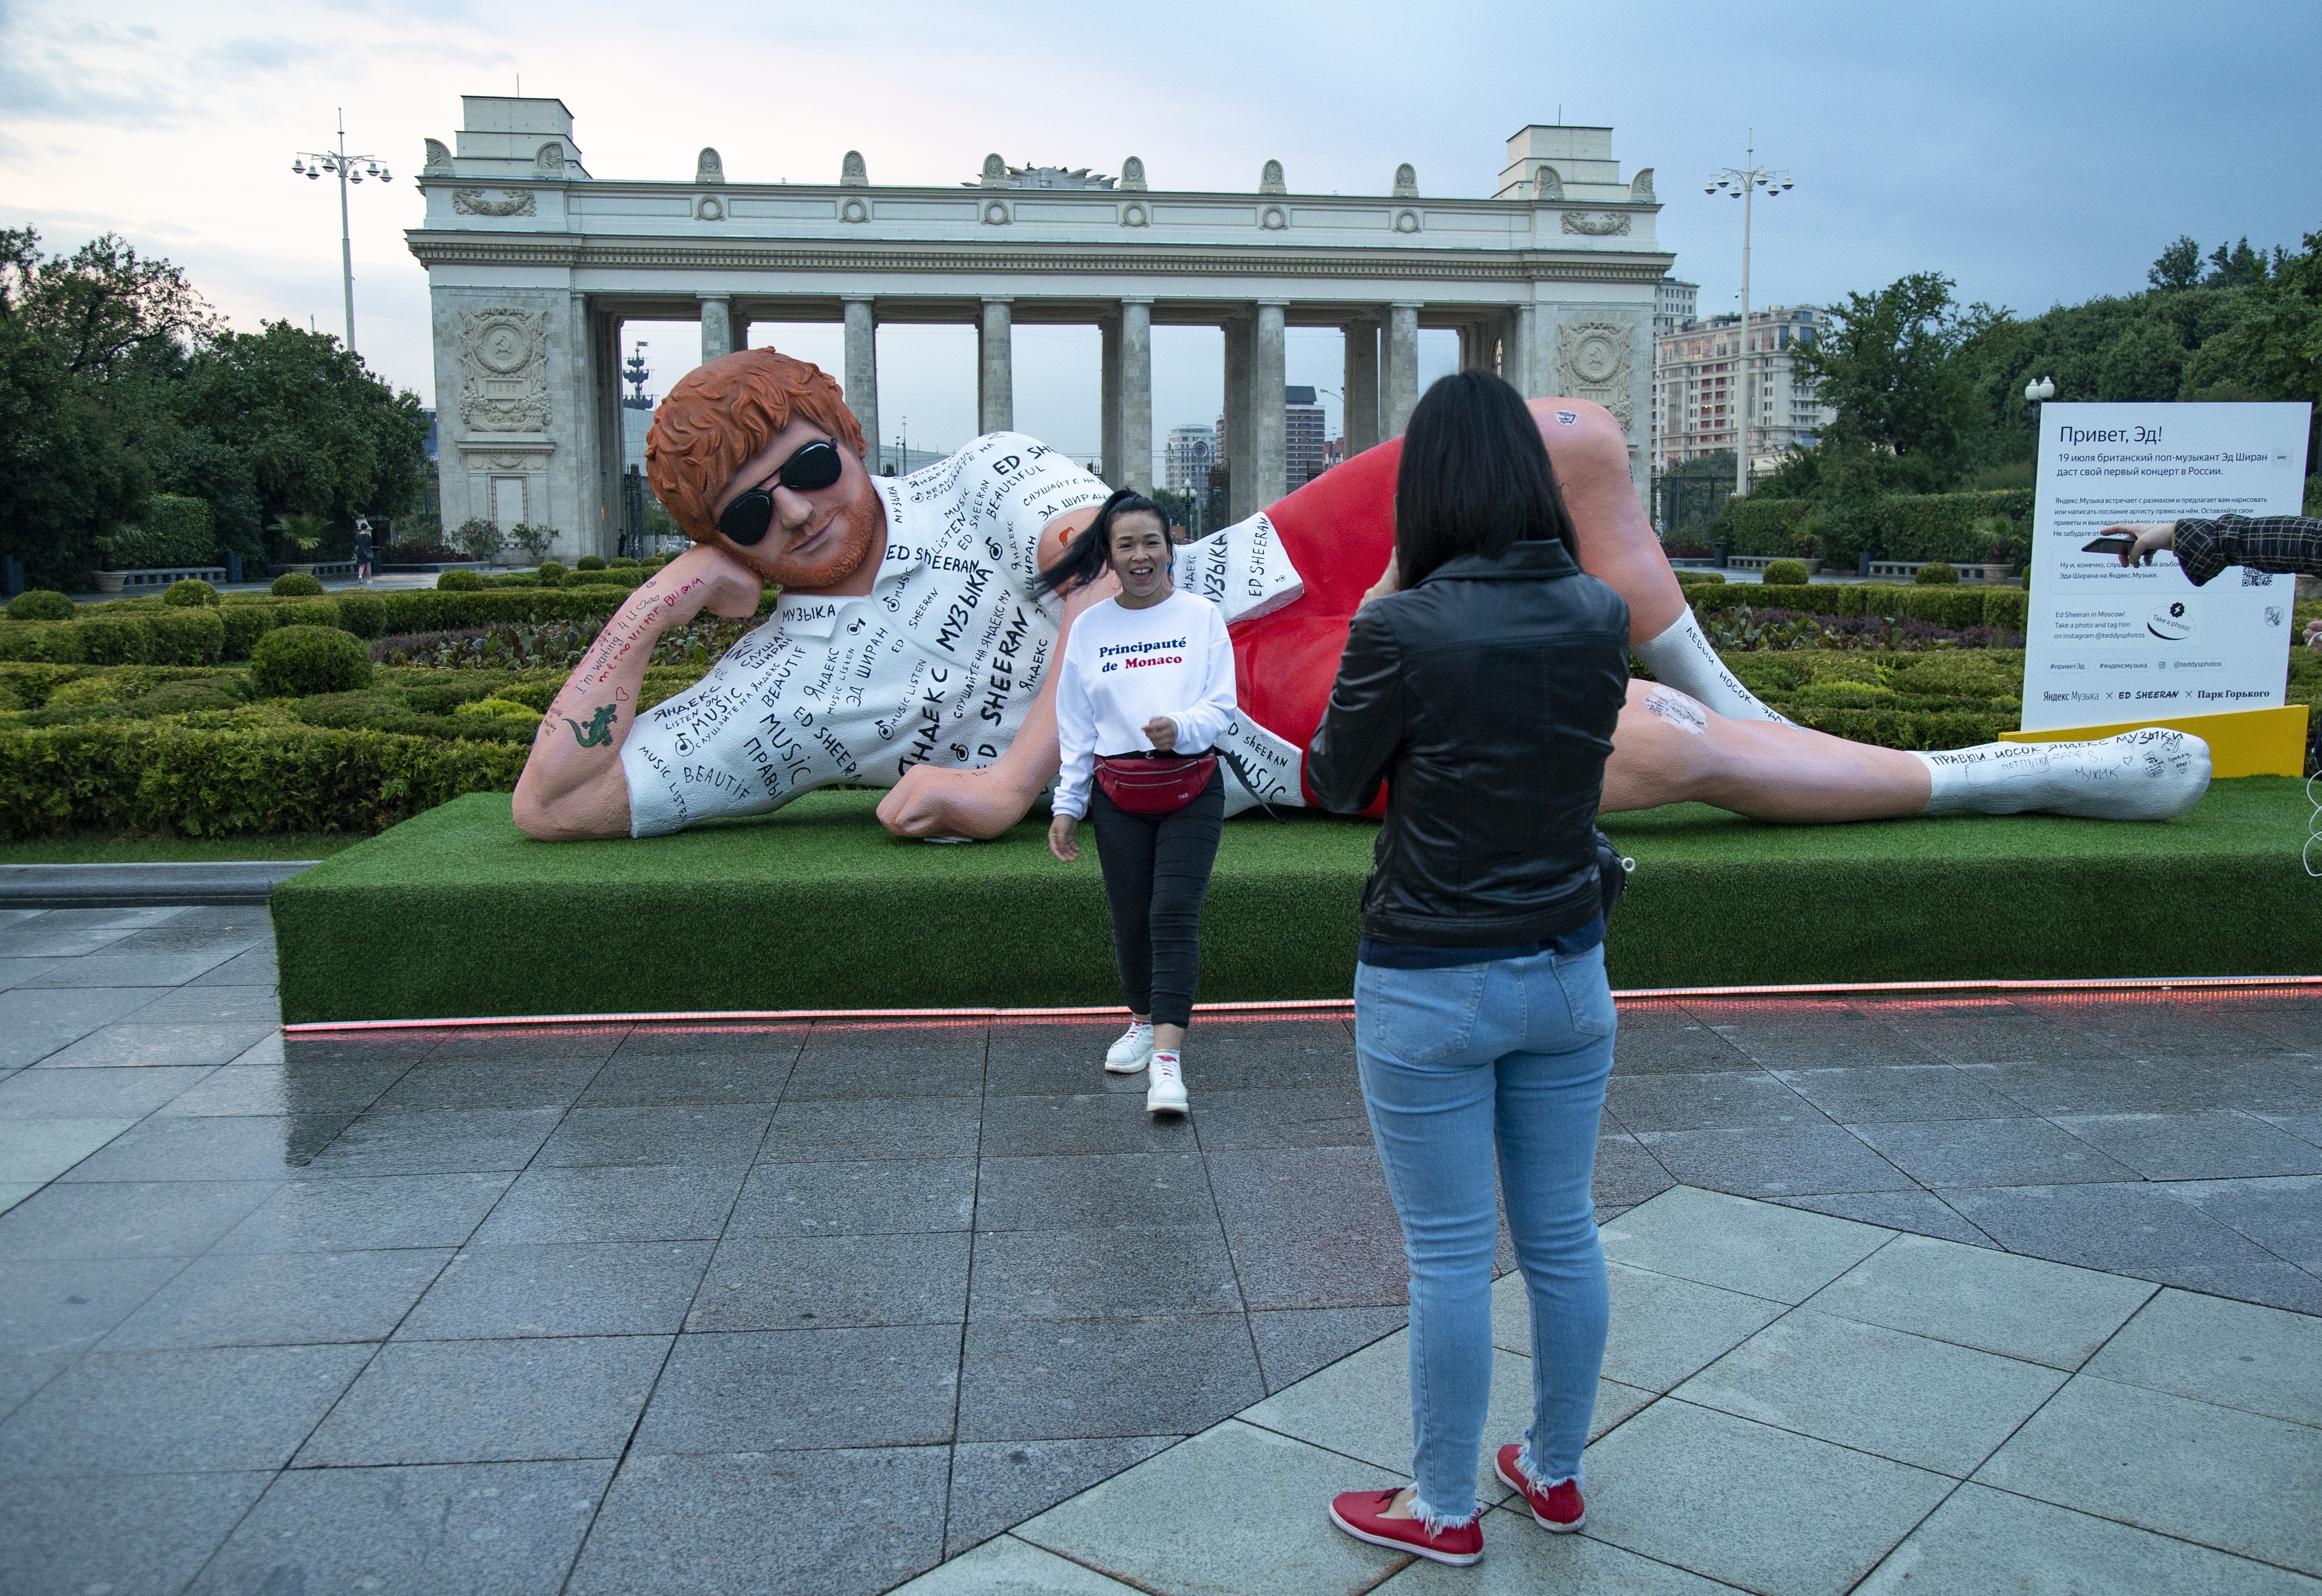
[
  {"x": 1147, "y": 677},
  {"x": 362, "y": 549},
  {"x": 1484, "y": 694}
]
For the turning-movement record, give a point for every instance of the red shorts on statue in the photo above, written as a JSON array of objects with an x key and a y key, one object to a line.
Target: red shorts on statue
[{"x": 1337, "y": 531}]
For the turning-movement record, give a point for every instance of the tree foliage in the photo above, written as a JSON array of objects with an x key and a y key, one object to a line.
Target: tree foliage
[{"x": 117, "y": 381}]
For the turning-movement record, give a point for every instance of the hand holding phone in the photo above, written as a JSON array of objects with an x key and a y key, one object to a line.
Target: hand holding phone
[{"x": 2109, "y": 545}]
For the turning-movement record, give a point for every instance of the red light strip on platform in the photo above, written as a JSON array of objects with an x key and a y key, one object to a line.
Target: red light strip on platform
[{"x": 1303, "y": 1006}]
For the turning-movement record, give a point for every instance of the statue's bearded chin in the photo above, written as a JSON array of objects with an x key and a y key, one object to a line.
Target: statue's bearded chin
[{"x": 857, "y": 535}]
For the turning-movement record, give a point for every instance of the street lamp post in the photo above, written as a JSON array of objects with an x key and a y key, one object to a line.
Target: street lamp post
[
  {"x": 1742, "y": 183},
  {"x": 350, "y": 168}
]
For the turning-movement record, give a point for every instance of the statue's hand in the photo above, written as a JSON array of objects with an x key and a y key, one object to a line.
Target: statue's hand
[{"x": 932, "y": 802}]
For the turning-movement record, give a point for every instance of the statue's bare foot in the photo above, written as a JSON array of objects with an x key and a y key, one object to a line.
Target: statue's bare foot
[
  {"x": 2148, "y": 774},
  {"x": 936, "y": 805}
]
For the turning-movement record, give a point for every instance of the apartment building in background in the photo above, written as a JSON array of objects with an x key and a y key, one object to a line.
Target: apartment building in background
[
  {"x": 1187, "y": 458},
  {"x": 1704, "y": 379},
  {"x": 1305, "y": 447}
]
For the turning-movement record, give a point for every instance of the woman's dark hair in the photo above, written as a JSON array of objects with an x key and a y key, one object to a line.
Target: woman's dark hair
[
  {"x": 1474, "y": 477},
  {"x": 1086, "y": 556}
]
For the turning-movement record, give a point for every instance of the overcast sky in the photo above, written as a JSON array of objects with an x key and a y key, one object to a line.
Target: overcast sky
[{"x": 2034, "y": 153}]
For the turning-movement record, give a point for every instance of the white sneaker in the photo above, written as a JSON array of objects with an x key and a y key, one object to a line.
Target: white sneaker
[
  {"x": 1127, "y": 1056},
  {"x": 1165, "y": 1093}
]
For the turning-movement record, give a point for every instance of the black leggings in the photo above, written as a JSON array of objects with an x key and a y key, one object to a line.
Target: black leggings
[{"x": 1156, "y": 871}]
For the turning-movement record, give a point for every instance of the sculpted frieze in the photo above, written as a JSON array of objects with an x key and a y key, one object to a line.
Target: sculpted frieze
[
  {"x": 494, "y": 202},
  {"x": 1597, "y": 223},
  {"x": 1595, "y": 357},
  {"x": 504, "y": 371}
]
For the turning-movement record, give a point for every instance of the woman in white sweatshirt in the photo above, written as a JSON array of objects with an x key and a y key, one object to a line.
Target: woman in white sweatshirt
[{"x": 1147, "y": 685}]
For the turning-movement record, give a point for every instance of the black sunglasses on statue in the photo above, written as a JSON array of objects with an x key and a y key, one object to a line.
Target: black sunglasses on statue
[{"x": 816, "y": 465}]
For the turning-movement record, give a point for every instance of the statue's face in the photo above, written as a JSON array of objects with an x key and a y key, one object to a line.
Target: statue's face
[{"x": 817, "y": 538}]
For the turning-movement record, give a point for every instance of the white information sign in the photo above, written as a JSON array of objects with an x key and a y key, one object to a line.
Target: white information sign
[{"x": 2105, "y": 643}]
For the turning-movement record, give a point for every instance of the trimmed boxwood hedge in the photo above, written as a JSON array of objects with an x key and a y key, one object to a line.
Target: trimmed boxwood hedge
[
  {"x": 1956, "y": 607},
  {"x": 1908, "y": 525}
]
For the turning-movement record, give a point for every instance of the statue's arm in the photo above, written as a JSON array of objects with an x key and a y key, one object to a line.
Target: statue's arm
[{"x": 572, "y": 787}]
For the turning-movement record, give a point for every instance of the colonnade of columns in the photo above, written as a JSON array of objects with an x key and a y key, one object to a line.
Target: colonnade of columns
[{"x": 1380, "y": 388}]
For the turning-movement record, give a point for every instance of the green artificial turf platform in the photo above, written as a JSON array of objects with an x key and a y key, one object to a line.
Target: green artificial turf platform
[{"x": 455, "y": 914}]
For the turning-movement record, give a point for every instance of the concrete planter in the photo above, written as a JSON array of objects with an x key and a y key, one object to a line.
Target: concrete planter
[{"x": 111, "y": 582}]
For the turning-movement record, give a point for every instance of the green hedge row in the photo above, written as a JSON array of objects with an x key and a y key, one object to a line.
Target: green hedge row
[
  {"x": 175, "y": 531},
  {"x": 151, "y": 777},
  {"x": 1908, "y": 526},
  {"x": 1956, "y": 607}
]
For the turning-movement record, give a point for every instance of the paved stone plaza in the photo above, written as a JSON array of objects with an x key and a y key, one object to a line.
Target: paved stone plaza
[{"x": 632, "y": 1310}]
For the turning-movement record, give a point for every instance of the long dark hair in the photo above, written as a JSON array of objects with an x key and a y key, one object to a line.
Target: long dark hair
[
  {"x": 1474, "y": 477},
  {"x": 1086, "y": 556}
]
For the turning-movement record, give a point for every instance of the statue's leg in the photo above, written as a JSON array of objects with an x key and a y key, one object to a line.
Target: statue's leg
[
  {"x": 1670, "y": 748},
  {"x": 1618, "y": 546}
]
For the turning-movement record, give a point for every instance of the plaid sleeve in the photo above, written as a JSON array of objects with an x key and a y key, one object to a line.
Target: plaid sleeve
[{"x": 2266, "y": 543}]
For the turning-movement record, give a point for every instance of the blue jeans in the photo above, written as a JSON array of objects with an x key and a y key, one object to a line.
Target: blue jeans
[{"x": 1455, "y": 1062}]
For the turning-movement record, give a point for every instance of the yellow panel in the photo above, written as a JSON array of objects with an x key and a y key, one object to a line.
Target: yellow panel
[{"x": 2242, "y": 743}]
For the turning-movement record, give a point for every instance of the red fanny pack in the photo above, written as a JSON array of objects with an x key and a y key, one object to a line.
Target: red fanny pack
[{"x": 1154, "y": 784}]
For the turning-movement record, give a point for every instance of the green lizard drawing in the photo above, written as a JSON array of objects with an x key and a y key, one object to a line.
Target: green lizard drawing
[{"x": 598, "y": 733}]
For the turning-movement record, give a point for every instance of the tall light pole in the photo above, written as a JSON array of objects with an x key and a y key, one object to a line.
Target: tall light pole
[
  {"x": 1742, "y": 183},
  {"x": 350, "y": 168}
]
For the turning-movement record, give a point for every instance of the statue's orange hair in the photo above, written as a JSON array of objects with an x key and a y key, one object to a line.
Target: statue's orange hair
[{"x": 721, "y": 413}]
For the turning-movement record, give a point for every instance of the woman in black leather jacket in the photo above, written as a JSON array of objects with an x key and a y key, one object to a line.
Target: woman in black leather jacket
[{"x": 1484, "y": 694}]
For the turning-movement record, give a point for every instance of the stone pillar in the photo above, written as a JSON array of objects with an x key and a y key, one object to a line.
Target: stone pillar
[
  {"x": 606, "y": 519},
  {"x": 996, "y": 375},
  {"x": 1133, "y": 383},
  {"x": 1402, "y": 394},
  {"x": 1240, "y": 442},
  {"x": 1521, "y": 368},
  {"x": 717, "y": 327},
  {"x": 1362, "y": 387},
  {"x": 1108, "y": 403},
  {"x": 862, "y": 373},
  {"x": 1268, "y": 414}
]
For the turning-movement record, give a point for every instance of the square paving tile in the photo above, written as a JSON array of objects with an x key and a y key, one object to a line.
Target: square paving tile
[
  {"x": 2020, "y": 1307},
  {"x": 538, "y": 1042},
  {"x": 1132, "y": 1527},
  {"x": 2196, "y": 1146},
  {"x": 1696, "y": 1102},
  {"x": 278, "y": 1298},
  {"x": 1688, "y": 1486},
  {"x": 1983, "y": 1541},
  {"x": 1880, "y": 1093},
  {"x": 127, "y": 1219},
  {"x": 1293, "y": 1343},
  {"x": 643, "y": 1080},
  {"x": 211, "y": 1005},
  {"x": 361, "y": 1212},
  {"x": 876, "y": 1197},
  {"x": 442, "y": 1142},
  {"x": 889, "y": 1064},
  {"x": 1111, "y": 1273},
  {"x": 1750, "y": 1247},
  {"x": 125, "y": 1534},
  {"x": 773, "y": 1040},
  {"x": 1294, "y": 1116},
  {"x": 996, "y": 1485},
  {"x": 673, "y": 1133},
  {"x": 2282, "y": 1214},
  {"x": 474, "y": 1530},
  {"x": 491, "y": 1083},
  {"x": 2238, "y": 1354},
  {"x": 2021, "y": 1151},
  {"x": 1093, "y": 1191},
  {"x": 274, "y": 1147},
  {"x": 2112, "y": 1085},
  {"x": 217, "y": 1409},
  {"x": 561, "y": 1289},
  {"x": 850, "y": 1130},
  {"x": 1672, "y": 1041},
  {"x": 62, "y": 1306},
  {"x": 490, "y": 1401},
  {"x": 1040, "y": 1058},
  {"x": 1274, "y": 1055},
  {"x": 1310, "y": 1228},
  {"x": 2138, "y": 1229},
  {"x": 110, "y": 969},
  {"x": 1008, "y": 1565},
  {"x": 1031, "y": 1378},
  {"x": 256, "y": 967},
  {"x": 1922, "y": 1213},
  {"x": 1520, "y": 1561},
  {"x": 1098, "y": 1122},
  {"x": 34, "y": 1151},
  {"x": 848, "y": 1523},
  {"x": 1907, "y": 1398},
  {"x": 1798, "y": 1034},
  {"x": 166, "y": 1046},
  {"x": 1774, "y": 1161},
  {"x": 2182, "y": 1468},
  {"x": 771, "y": 1390},
  {"x": 615, "y": 1203},
  {"x": 93, "y": 1094},
  {"x": 817, "y": 1282}
]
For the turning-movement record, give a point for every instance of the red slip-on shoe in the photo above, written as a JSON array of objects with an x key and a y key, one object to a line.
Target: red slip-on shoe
[
  {"x": 1361, "y": 1514},
  {"x": 1558, "y": 1510}
]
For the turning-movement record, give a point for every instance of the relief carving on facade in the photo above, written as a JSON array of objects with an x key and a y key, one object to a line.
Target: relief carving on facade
[
  {"x": 494, "y": 202},
  {"x": 504, "y": 371},
  {"x": 1597, "y": 223},
  {"x": 1595, "y": 358}
]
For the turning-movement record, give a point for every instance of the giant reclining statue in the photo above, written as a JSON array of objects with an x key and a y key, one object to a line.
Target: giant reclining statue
[{"x": 910, "y": 647}]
